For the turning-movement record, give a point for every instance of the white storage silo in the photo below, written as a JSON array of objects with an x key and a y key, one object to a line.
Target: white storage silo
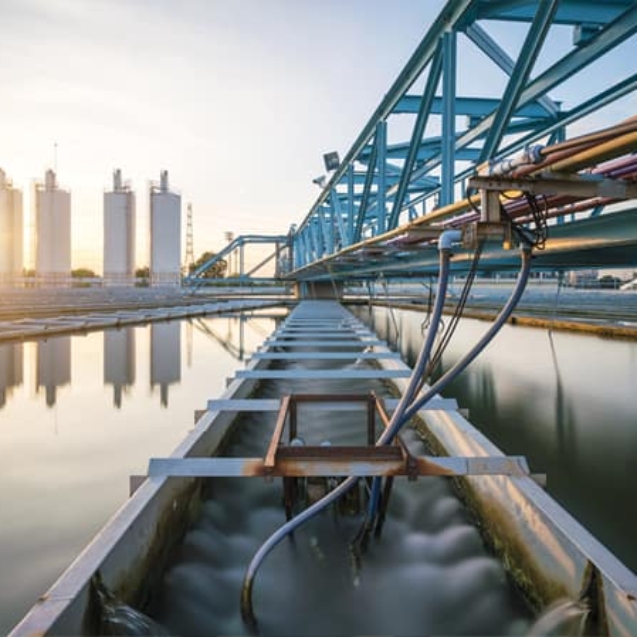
[
  {"x": 11, "y": 231},
  {"x": 119, "y": 233},
  {"x": 165, "y": 234},
  {"x": 52, "y": 232}
]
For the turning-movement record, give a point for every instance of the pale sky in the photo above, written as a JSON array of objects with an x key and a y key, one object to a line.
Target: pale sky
[{"x": 237, "y": 99}]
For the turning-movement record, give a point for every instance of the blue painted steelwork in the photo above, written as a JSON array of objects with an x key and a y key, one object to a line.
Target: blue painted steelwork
[
  {"x": 377, "y": 187},
  {"x": 239, "y": 243},
  {"x": 448, "y": 142},
  {"x": 381, "y": 188},
  {"x": 425, "y": 107},
  {"x": 519, "y": 76}
]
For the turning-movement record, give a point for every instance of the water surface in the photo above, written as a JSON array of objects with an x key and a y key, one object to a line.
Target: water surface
[
  {"x": 78, "y": 416},
  {"x": 566, "y": 401}
]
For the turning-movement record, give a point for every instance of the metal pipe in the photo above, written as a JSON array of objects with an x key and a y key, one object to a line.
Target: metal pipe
[
  {"x": 447, "y": 238},
  {"x": 462, "y": 205},
  {"x": 597, "y": 136},
  {"x": 599, "y": 153},
  {"x": 247, "y": 612}
]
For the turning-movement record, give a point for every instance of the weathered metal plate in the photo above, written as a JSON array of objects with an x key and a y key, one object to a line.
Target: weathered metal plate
[
  {"x": 324, "y": 356},
  {"x": 332, "y": 461},
  {"x": 273, "y": 404}
]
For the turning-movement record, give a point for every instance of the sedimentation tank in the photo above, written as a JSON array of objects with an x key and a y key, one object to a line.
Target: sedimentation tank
[
  {"x": 53, "y": 232},
  {"x": 11, "y": 230},
  {"x": 119, "y": 233},
  {"x": 165, "y": 234}
]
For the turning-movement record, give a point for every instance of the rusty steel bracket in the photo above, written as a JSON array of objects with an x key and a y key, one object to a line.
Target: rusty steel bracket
[{"x": 290, "y": 461}]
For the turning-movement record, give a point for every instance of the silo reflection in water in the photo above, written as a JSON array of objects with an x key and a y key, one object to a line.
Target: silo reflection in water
[
  {"x": 11, "y": 370},
  {"x": 53, "y": 366},
  {"x": 165, "y": 357},
  {"x": 119, "y": 361}
]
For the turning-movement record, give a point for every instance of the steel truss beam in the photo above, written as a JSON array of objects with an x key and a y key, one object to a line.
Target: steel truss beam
[
  {"x": 378, "y": 186},
  {"x": 280, "y": 242}
]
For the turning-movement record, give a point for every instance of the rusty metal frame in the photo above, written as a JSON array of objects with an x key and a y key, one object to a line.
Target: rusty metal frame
[{"x": 289, "y": 461}]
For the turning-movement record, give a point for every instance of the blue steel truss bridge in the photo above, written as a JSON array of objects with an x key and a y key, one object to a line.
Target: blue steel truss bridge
[{"x": 545, "y": 154}]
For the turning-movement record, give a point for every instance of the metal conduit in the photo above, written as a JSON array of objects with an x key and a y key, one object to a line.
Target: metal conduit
[{"x": 424, "y": 356}]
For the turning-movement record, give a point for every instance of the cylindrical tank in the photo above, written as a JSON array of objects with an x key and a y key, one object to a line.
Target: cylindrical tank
[
  {"x": 11, "y": 231},
  {"x": 53, "y": 232},
  {"x": 165, "y": 235},
  {"x": 119, "y": 234}
]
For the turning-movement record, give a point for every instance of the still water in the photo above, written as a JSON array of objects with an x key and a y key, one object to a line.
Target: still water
[
  {"x": 566, "y": 401},
  {"x": 78, "y": 415}
]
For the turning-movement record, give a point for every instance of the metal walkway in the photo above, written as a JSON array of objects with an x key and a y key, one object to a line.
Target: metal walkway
[{"x": 321, "y": 331}]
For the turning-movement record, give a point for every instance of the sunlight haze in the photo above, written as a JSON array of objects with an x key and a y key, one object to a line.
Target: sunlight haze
[{"x": 237, "y": 100}]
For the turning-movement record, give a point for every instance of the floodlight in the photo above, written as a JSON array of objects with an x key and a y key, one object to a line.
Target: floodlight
[{"x": 331, "y": 161}]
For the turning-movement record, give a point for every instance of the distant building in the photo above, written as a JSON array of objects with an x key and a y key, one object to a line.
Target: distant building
[
  {"x": 11, "y": 231},
  {"x": 165, "y": 234},
  {"x": 52, "y": 232},
  {"x": 119, "y": 233}
]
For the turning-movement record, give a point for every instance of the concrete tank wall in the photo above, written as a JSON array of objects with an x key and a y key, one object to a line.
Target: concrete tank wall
[
  {"x": 53, "y": 232},
  {"x": 119, "y": 234},
  {"x": 165, "y": 235},
  {"x": 11, "y": 231}
]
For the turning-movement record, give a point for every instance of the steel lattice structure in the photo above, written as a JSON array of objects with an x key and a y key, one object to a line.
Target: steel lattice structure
[
  {"x": 407, "y": 175},
  {"x": 382, "y": 186}
]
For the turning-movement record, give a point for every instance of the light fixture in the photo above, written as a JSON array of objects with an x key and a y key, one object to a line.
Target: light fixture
[{"x": 331, "y": 160}]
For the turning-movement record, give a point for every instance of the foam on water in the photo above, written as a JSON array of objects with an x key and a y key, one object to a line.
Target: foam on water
[{"x": 429, "y": 573}]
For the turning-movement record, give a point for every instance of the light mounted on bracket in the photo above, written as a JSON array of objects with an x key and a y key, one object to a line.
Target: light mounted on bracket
[{"x": 331, "y": 160}]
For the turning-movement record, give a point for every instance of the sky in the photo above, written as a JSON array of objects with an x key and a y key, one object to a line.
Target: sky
[{"x": 237, "y": 99}]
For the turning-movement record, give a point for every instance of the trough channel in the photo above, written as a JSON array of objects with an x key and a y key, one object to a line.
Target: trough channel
[{"x": 470, "y": 543}]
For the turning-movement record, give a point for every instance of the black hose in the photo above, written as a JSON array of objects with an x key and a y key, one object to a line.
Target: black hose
[
  {"x": 386, "y": 438},
  {"x": 468, "y": 358},
  {"x": 247, "y": 612}
]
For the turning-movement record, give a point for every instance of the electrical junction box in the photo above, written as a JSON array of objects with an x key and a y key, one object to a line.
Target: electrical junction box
[{"x": 478, "y": 231}]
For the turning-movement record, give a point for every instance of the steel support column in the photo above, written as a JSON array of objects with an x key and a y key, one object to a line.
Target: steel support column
[
  {"x": 417, "y": 134},
  {"x": 381, "y": 193},
  {"x": 449, "y": 47}
]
